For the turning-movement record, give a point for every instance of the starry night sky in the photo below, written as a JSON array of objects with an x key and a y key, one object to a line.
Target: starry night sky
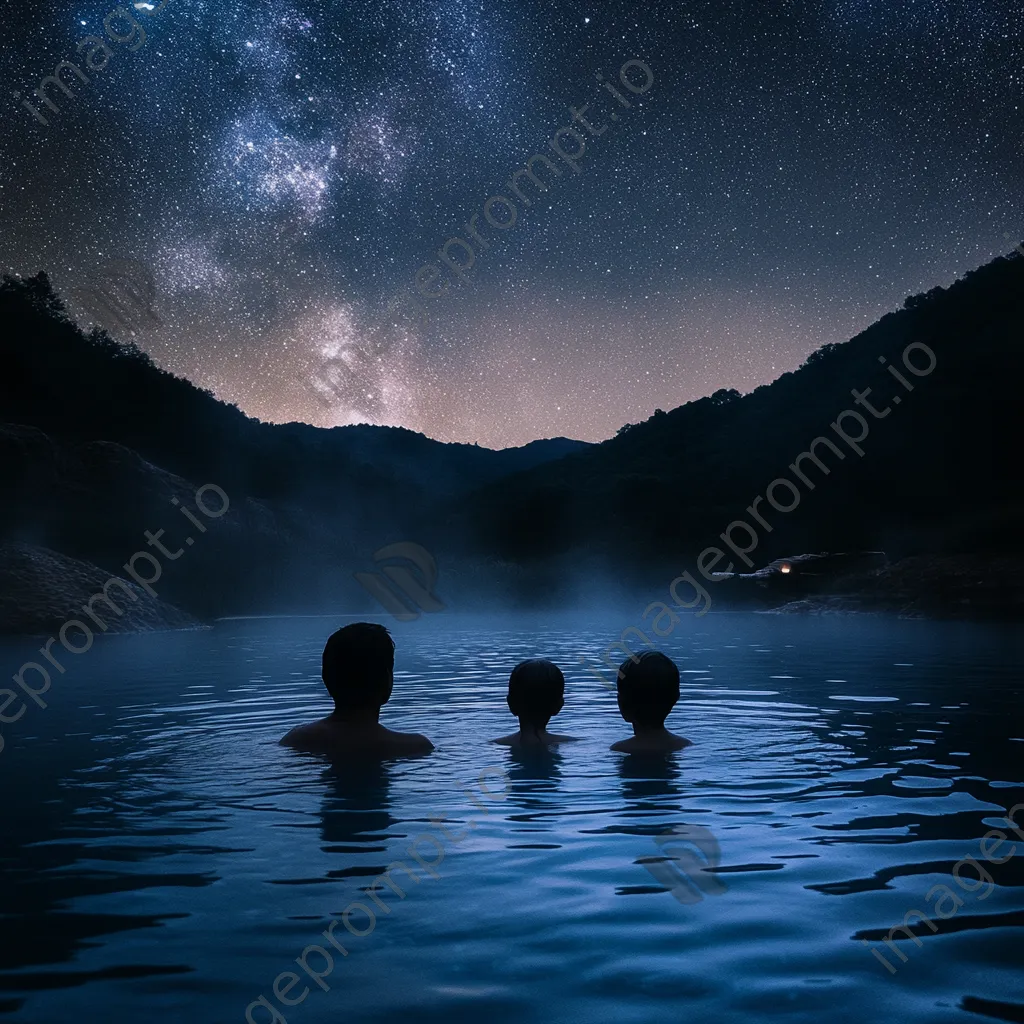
[{"x": 797, "y": 168}]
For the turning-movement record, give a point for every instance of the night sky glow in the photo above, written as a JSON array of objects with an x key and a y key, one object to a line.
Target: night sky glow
[{"x": 285, "y": 169}]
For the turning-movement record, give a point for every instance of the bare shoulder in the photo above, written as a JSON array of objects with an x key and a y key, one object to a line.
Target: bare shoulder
[
  {"x": 410, "y": 742},
  {"x": 508, "y": 741},
  {"x": 303, "y": 736},
  {"x": 564, "y": 739},
  {"x": 327, "y": 737}
]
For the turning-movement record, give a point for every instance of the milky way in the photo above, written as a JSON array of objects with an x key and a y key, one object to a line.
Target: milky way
[{"x": 284, "y": 170}]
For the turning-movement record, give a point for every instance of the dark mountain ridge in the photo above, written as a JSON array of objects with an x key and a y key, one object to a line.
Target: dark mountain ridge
[
  {"x": 96, "y": 442},
  {"x": 99, "y": 442},
  {"x": 93, "y": 387},
  {"x": 940, "y": 470}
]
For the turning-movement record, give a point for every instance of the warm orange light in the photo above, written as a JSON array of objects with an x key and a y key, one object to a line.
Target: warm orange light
[{"x": 785, "y": 567}]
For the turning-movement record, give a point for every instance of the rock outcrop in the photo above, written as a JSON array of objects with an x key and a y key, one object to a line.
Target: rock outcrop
[
  {"x": 43, "y": 589},
  {"x": 926, "y": 586}
]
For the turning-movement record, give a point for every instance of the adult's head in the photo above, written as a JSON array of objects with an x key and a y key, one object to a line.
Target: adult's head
[
  {"x": 536, "y": 692},
  {"x": 359, "y": 666},
  {"x": 648, "y": 689}
]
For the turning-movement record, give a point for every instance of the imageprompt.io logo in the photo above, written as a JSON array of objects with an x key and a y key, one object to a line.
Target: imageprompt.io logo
[
  {"x": 403, "y": 594},
  {"x": 691, "y": 855},
  {"x": 121, "y": 298}
]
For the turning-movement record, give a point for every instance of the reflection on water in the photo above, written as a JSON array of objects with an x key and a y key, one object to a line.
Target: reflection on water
[
  {"x": 356, "y": 807},
  {"x": 163, "y": 859}
]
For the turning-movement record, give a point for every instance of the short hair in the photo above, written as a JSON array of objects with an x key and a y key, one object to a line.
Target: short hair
[
  {"x": 359, "y": 665},
  {"x": 648, "y": 687},
  {"x": 536, "y": 690}
]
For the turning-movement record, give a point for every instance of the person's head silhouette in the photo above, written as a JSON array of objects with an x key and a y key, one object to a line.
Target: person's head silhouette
[
  {"x": 536, "y": 692},
  {"x": 358, "y": 670},
  {"x": 359, "y": 667},
  {"x": 648, "y": 688}
]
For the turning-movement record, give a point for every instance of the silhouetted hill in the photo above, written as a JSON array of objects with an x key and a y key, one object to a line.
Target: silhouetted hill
[
  {"x": 96, "y": 442},
  {"x": 940, "y": 470},
  {"x": 99, "y": 444},
  {"x": 95, "y": 388}
]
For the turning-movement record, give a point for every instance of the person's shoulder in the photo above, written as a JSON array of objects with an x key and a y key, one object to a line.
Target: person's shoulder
[
  {"x": 421, "y": 743},
  {"x": 677, "y": 742},
  {"x": 625, "y": 746},
  {"x": 508, "y": 741},
  {"x": 410, "y": 742},
  {"x": 302, "y": 735},
  {"x": 564, "y": 739}
]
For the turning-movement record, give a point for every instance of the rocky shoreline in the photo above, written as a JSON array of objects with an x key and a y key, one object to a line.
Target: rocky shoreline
[
  {"x": 951, "y": 587},
  {"x": 43, "y": 590}
]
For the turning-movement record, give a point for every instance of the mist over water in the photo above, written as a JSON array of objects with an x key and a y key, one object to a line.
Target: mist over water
[{"x": 165, "y": 860}]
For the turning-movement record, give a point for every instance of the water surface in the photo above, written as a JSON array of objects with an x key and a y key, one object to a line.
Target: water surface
[{"x": 164, "y": 860}]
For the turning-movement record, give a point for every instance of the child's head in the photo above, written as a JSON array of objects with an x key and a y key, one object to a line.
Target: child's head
[
  {"x": 648, "y": 688},
  {"x": 358, "y": 666},
  {"x": 536, "y": 692}
]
